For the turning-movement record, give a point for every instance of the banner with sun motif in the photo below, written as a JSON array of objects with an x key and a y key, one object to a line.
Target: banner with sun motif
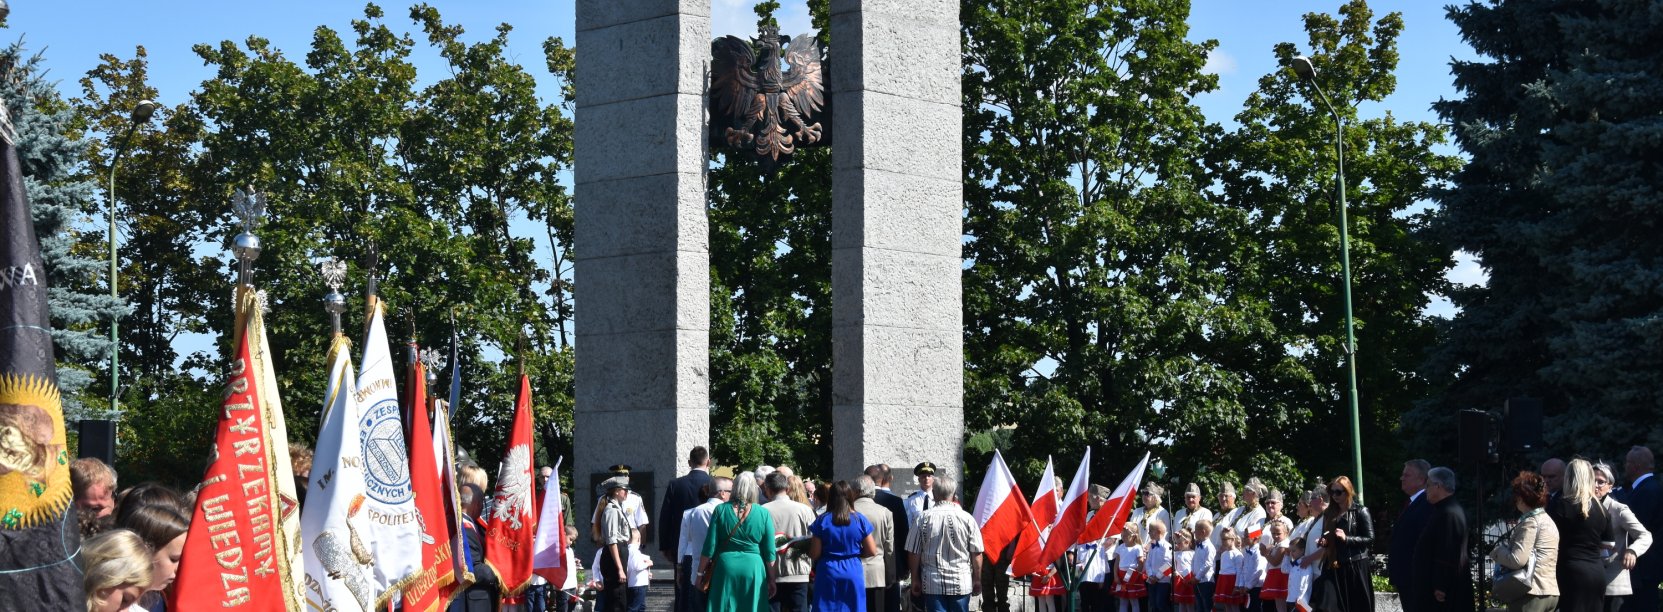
[{"x": 38, "y": 535}]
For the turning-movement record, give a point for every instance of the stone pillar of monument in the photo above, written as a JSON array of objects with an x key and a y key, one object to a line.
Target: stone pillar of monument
[
  {"x": 642, "y": 252},
  {"x": 897, "y": 202}
]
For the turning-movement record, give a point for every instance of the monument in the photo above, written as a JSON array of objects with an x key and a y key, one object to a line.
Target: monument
[{"x": 642, "y": 255}]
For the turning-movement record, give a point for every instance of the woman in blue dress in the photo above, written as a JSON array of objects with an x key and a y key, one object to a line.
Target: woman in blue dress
[{"x": 841, "y": 538}]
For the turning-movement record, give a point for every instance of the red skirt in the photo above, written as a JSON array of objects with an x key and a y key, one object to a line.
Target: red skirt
[
  {"x": 1043, "y": 586},
  {"x": 1130, "y": 585},
  {"x": 1275, "y": 587},
  {"x": 1224, "y": 593},
  {"x": 1183, "y": 591}
]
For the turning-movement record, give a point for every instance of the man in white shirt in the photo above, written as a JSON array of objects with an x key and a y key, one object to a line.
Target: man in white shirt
[
  {"x": 1227, "y": 512},
  {"x": 1151, "y": 510},
  {"x": 695, "y": 525},
  {"x": 1092, "y": 559},
  {"x": 946, "y": 551},
  {"x": 921, "y": 500}
]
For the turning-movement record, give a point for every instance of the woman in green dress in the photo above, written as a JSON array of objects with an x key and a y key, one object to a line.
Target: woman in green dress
[{"x": 738, "y": 555}]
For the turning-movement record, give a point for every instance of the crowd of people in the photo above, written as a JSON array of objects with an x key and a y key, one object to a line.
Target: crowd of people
[{"x": 771, "y": 540}]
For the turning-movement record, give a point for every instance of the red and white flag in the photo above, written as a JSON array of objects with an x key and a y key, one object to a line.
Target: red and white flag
[
  {"x": 1071, "y": 519},
  {"x": 1005, "y": 517},
  {"x": 549, "y": 550},
  {"x": 1117, "y": 509},
  {"x": 1045, "y": 499},
  {"x": 435, "y": 582},
  {"x": 512, "y": 527}
]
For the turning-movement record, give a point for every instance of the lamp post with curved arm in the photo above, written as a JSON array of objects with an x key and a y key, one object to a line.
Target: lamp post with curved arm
[
  {"x": 1307, "y": 72},
  {"x": 141, "y": 114}
]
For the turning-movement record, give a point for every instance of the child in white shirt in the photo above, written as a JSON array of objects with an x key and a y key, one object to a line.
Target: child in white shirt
[
  {"x": 1232, "y": 564},
  {"x": 1128, "y": 575},
  {"x": 1183, "y": 570}
]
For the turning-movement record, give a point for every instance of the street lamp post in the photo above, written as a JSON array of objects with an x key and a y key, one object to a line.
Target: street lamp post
[
  {"x": 1307, "y": 72},
  {"x": 141, "y": 114}
]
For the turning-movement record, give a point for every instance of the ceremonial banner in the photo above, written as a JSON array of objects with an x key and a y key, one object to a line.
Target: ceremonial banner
[
  {"x": 511, "y": 527},
  {"x": 1006, "y": 521},
  {"x": 238, "y": 554},
  {"x": 334, "y": 525},
  {"x": 445, "y": 451},
  {"x": 435, "y": 582},
  {"x": 1045, "y": 499},
  {"x": 549, "y": 551},
  {"x": 390, "y": 506},
  {"x": 1118, "y": 509},
  {"x": 38, "y": 525}
]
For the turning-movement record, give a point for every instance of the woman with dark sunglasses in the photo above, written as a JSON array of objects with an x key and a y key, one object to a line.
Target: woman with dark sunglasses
[{"x": 1348, "y": 533}]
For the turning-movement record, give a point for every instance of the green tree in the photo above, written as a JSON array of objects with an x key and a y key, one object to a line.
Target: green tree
[
  {"x": 1097, "y": 274},
  {"x": 61, "y": 195},
  {"x": 358, "y": 156},
  {"x": 1277, "y": 168},
  {"x": 1557, "y": 205}
]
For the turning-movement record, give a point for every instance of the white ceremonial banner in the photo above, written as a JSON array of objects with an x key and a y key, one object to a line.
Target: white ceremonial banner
[
  {"x": 390, "y": 505},
  {"x": 333, "y": 523}
]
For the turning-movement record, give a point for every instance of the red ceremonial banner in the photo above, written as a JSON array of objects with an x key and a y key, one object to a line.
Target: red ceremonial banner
[
  {"x": 232, "y": 558},
  {"x": 435, "y": 582},
  {"x": 512, "y": 527}
]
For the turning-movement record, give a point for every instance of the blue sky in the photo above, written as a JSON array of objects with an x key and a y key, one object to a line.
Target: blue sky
[{"x": 73, "y": 34}]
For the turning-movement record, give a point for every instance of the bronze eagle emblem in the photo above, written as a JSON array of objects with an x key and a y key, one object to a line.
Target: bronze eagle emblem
[{"x": 758, "y": 106}]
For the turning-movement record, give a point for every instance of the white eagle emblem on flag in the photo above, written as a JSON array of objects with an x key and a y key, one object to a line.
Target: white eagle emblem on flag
[{"x": 514, "y": 487}]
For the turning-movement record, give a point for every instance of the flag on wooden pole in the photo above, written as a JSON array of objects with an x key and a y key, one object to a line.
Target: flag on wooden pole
[
  {"x": 435, "y": 581},
  {"x": 511, "y": 528}
]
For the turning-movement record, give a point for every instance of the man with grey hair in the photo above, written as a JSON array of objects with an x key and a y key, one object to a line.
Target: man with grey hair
[
  {"x": 1438, "y": 574},
  {"x": 945, "y": 549},
  {"x": 879, "y": 569},
  {"x": 1409, "y": 525},
  {"x": 1644, "y": 496},
  {"x": 791, "y": 519},
  {"x": 695, "y": 525}
]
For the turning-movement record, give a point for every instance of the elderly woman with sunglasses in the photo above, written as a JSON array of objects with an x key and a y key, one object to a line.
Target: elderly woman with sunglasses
[
  {"x": 1631, "y": 539},
  {"x": 1347, "y": 533}
]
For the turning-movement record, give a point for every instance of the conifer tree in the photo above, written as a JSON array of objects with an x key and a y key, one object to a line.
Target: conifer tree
[{"x": 63, "y": 197}]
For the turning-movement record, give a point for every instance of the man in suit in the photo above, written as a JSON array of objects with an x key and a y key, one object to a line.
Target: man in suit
[
  {"x": 1438, "y": 570},
  {"x": 680, "y": 496},
  {"x": 1553, "y": 472},
  {"x": 1409, "y": 525},
  {"x": 1645, "y": 497},
  {"x": 898, "y": 513}
]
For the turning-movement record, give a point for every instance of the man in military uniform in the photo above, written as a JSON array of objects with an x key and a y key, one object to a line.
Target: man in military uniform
[{"x": 920, "y": 500}]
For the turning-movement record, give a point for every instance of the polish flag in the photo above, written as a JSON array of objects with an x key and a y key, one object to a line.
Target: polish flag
[
  {"x": 1071, "y": 518},
  {"x": 1004, "y": 516},
  {"x": 1045, "y": 499},
  {"x": 1117, "y": 509}
]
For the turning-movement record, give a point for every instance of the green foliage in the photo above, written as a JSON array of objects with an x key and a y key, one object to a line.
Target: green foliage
[
  {"x": 354, "y": 155},
  {"x": 61, "y": 194},
  {"x": 770, "y": 302},
  {"x": 1558, "y": 204},
  {"x": 1278, "y": 170}
]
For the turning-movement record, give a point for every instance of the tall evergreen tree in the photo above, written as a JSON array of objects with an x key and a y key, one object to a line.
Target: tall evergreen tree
[
  {"x": 63, "y": 195},
  {"x": 1559, "y": 204}
]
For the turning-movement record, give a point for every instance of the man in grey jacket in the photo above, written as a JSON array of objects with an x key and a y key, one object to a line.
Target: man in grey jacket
[
  {"x": 791, "y": 519},
  {"x": 880, "y": 569}
]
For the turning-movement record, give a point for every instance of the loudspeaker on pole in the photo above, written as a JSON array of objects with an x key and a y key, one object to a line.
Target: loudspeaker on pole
[
  {"x": 1479, "y": 445},
  {"x": 97, "y": 439}
]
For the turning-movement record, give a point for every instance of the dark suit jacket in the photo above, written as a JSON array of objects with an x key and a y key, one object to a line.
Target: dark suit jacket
[
  {"x": 482, "y": 596},
  {"x": 1439, "y": 562},
  {"x": 1647, "y": 503},
  {"x": 682, "y": 495},
  {"x": 1404, "y": 536},
  {"x": 898, "y": 508}
]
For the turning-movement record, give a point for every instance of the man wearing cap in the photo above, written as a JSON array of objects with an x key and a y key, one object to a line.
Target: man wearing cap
[
  {"x": 1091, "y": 559},
  {"x": 791, "y": 519},
  {"x": 616, "y": 531},
  {"x": 1227, "y": 513},
  {"x": 920, "y": 500},
  {"x": 1151, "y": 510},
  {"x": 1191, "y": 512},
  {"x": 1250, "y": 524}
]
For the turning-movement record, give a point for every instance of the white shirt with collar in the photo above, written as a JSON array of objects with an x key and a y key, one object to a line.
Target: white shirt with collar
[
  {"x": 1636, "y": 484},
  {"x": 1416, "y": 496},
  {"x": 1184, "y": 519},
  {"x": 917, "y": 503}
]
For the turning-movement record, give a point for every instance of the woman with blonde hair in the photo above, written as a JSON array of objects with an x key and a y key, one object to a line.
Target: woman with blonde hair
[
  {"x": 1583, "y": 526},
  {"x": 118, "y": 570}
]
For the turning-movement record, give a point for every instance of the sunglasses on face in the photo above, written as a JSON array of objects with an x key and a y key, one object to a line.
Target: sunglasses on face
[{"x": 1336, "y": 491}]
